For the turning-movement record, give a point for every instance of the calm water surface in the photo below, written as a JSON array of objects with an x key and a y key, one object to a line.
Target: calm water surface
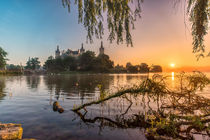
[{"x": 29, "y": 101}]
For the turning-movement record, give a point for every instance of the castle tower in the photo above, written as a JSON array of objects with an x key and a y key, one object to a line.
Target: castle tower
[
  {"x": 101, "y": 49},
  {"x": 82, "y": 50},
  {"x": 57, "y": 52}
]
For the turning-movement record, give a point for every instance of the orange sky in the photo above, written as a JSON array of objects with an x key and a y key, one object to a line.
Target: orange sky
[{"x": 161, "y": 37}]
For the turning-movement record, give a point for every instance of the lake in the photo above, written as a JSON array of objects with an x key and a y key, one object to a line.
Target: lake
[{"x": 29, "y": 101}]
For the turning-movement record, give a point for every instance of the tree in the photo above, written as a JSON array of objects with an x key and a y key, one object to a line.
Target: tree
[
  {"x": 58, "y": 65},
  {"x": 70, "y": 63},
  {"x": 128, "y": 65},
  {"x": 143, "y": 68},
  {"x": 156, "y": 68},
  {"x": 119, "y": 69},
  {"x": 13, "y": 67},
  {"x": 131, "y": 69},
  {"x": 33, "y": 63},
  {"x": 49, "y": 64},
  {"x": 103, "y": 64},
  {"x": 199, "y": 15},
  {"x": 67, "y": 63},
  {"x": 121, "y": 15},
  {"x": 120, "y": 19},
  {"x": 3, "y": 58},
  {"x": 86, "y": 61}
]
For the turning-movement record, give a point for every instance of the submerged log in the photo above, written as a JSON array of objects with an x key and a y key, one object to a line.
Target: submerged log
[
  {"x": 57, "y": 107},
  {"x": 11, "y": 131}
]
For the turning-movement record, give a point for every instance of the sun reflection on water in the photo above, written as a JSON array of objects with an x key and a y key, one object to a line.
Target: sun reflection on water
[{"x": 172, "y": 76}]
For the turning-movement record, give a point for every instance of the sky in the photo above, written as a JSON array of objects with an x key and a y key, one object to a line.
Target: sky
[{"x": 33, "y": 28}]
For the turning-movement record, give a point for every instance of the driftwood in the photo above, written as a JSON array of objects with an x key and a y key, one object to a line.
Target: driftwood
[
  {"x": 57, "y": 107},
  {"x": 175, "y": 116},
  {"x": 118, "y": 94},
  {"x": 148, "y": 86}
]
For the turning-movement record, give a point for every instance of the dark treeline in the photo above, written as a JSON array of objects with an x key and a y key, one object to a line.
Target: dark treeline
[
  {"x": 33, "y": 64},
  {"x": 142, "y": 68},
  {"x": 88, "y": 61}
]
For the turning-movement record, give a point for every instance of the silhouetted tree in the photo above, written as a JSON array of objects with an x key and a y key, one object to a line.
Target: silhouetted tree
[
  {"x": 131, "y": 69},
  {"x": 199, "y": 15},
  {"x": 156, "y": 68},
  {"x": 128, "y": 65},
  {"x": 70, "y": 63},
  {"x": 13, "y": 67},
  {"x": 59, "y": 65},
  {"x": 103, "y": 63},
  {"x": 119, "y": 69},
  {"x": 143, "y": 68},
  {"x": 49, "y": 63},
  {"x": 3, "y": 58},
  {"x": 33, "y": 63},
  {"x": 121, "y": 15},
  {"x": 86, "y": 61}
]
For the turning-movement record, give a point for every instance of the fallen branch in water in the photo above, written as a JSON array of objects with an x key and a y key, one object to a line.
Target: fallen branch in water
[
  {"x": 118, "y": 94},
  {"x": 148, "y": 86},
  {"x": 172, "y": 117},
  {"x": 157, "y": 86}
]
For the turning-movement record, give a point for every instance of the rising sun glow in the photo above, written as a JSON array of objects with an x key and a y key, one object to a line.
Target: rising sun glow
[{"x": 172, "y": 65}]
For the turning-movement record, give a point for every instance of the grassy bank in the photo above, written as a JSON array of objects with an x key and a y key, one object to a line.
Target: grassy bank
[
  {"x": 74, "y": 72},
  {"x": 93, "y": 72},
  {"x": 77, "y": 72},
  {"x": 5, "y": 72}
]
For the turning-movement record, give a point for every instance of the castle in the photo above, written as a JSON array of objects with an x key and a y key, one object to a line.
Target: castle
[{"x": 69, "y": 52}]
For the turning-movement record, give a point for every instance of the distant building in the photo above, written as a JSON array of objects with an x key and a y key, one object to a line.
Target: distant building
[
  {"x": 57, "y": 52},
  {"x": 101, "y": 49},
  {"x": 69, "y": 52}
]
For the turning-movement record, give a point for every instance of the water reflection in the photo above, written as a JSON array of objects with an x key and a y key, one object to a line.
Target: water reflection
[
  {"x": 33, "y": 81},
  {"x": 33, "y": 97},
  {"x": 131, "y": 114},
  {"x": 2, "y": 87},
  {"x": 160, "y": 109},
  {"x": 172, "y": 76},
  {"x": 86, "y": 86},
  {"x": 76, "y": 86}
]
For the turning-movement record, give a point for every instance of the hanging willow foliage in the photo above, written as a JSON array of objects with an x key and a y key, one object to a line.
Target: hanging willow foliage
[
  {"x": 198, "y": 11},
  {"x": 121, "y": 15},
  {"x": 120, "y": 18}
]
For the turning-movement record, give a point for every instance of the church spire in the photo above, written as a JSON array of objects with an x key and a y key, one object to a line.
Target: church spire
[
  {"x": 58, "y": 49},
  {"x": 101, "y": 49},
  {"x": 102, "y": 44},
  {"x": 82, "y": 46},
  {"x": 57, "y": 52},
  {"x": 82, "y": 50}
]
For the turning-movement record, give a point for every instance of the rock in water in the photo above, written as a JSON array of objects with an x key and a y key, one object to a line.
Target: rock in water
[
  {"x": 60, "y": 110},
  {"x": 11, "y": 131},
  {"x": 57, "y": 107}
]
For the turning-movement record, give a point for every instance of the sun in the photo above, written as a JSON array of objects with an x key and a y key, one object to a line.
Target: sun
[{"x": 172, "y": 65}]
